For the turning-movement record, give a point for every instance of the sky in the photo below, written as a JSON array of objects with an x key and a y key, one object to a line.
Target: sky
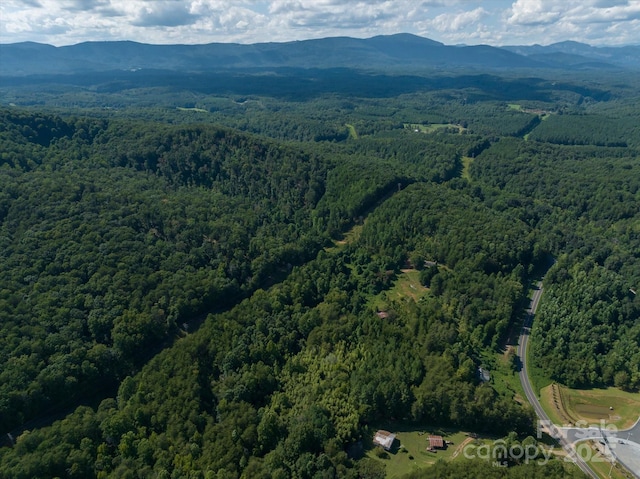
[{"x": 493, "y": 22}]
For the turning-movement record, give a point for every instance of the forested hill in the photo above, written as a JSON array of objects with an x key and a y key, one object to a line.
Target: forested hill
[
  {"x": 391, "y": 52},
  {"x": 115, "y": 234}
]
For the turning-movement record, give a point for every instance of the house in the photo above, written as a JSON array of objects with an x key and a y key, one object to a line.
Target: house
[
  {"x": 436, "y": 442},
  {"x": 384, "y": 439}
]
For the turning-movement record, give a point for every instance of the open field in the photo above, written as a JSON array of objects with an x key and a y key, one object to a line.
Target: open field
[
  {"x": 536, "y": 111},
  {"x": 433, "y": 127},
  {"x": 200, "y": 110},
  {"x": 593, "y": 405},
  {"x": 406, "y": 285},
  {"x": 352, "y": 131},
  {"x": 410, "y": 451}
]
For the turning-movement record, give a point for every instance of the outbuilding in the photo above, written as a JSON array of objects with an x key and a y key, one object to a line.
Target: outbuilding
[
  {"x": 384, "y": 439},
  {"x": 436, "y": 442}
]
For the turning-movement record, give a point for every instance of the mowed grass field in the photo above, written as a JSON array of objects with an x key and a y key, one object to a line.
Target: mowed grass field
[{"x": 610, "y": 405}]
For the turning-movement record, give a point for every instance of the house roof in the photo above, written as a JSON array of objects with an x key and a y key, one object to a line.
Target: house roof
[
  {"x": 384, "y": 439},
  {"x": 436, "y": 441}
]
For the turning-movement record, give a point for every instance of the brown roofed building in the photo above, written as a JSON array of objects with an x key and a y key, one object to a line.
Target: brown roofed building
[{"x": 436, "y": 442}]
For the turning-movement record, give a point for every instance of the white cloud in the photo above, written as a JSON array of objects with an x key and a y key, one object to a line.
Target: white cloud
[
  {"x": 589, "y": 21},
  {"x": 63, "y": 22},
  {"x": 165, "y": 14},
  {"x": 454, "y": 22},
  {"x": 609, "y": 14},
  {"x": 534, "y": 12}
]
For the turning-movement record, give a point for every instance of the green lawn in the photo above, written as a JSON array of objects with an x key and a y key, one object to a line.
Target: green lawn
[
  {"x": 592, "y": 406},
  {"x": 410, "y": 451}
]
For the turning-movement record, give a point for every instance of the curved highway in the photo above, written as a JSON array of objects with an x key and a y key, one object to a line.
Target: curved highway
[{"x": 528, "y": 389}]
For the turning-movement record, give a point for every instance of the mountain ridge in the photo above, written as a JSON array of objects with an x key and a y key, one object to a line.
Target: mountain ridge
[{"x": 402, "y": 51}]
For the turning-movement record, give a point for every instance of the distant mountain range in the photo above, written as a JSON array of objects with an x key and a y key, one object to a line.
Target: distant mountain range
[{"x": 388, "y": 52}]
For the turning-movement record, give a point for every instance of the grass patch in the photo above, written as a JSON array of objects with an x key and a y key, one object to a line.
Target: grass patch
[
  {"x": 514, "y": 106},
  {"x": 591, "y": 406},
  {"x": 551, "y": 403},
  {"x": 406, "y": 285},
  {"x": 352, "y": 131},
  {"x": 350, "y": 236},
  {"x": 200, "y": 110},
  {"x": 466, "y": 164},
  {"x": 433, "y": 127}
]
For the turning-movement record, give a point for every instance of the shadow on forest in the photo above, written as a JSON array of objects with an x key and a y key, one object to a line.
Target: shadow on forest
[{"x": 300, "y": 84}]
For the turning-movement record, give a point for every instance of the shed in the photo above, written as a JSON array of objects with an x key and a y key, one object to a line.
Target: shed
[
  {"x": 384, "y": 439},
  {"x": 436, "y": 442}
]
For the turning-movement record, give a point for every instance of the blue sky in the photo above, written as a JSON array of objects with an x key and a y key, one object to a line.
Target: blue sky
[{"x": 494, "y": 22}]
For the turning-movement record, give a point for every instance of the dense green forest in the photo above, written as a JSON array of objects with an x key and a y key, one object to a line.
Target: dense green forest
[
  {"x": 193, "y": 288},
  {"x": 585, "y": 201}
]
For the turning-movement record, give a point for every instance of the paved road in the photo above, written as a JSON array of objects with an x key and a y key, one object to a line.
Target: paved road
[
  {"x": 528, "y": 389},
  {"x": 623, "y": 445}
]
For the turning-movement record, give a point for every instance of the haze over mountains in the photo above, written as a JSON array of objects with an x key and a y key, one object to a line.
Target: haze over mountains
[{"x": 389, "y": 52}]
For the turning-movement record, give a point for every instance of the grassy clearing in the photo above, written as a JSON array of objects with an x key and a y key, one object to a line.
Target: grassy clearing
[
  {"x": 410, "y": 451},
  {"x": 433, "y": 127},
  {"x": 591, "y": 406},
  {"x": 200, "y": 110},
  {"x": 514, "y": 106},
  {"x": 350, "y": 236},
  {"x": 466, "y": 164},
  {"x": 352, "y": 131},
  {"x": 406, "y": 285}
]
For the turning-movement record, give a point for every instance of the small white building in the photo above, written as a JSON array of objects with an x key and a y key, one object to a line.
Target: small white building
[{"x": 384, "y": 439}]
